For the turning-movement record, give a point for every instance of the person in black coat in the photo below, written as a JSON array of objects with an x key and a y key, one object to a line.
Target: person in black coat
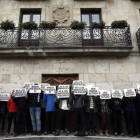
[
  {"x": 116, "y": 106},
  {"x": 130, "y": 109},
  {"x": 21, "y": 115},
  {"x": 3, "y": 112}
]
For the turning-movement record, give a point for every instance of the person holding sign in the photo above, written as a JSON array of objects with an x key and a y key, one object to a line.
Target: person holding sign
[
  {"x": 49, "y": 99},
  {"x": 12, "y": 110},
  {"x": 63, "y": 113},
  {"x": 3, "y": 112},
  {"x": 78, "y": 108},
  {"x": 21, "y": 115},
  {"x": 34, "y": 97},
  {"x": 130, "y": 109},
  {"x": 116, "y": 104},
  {"x": 104, "y": 108}
]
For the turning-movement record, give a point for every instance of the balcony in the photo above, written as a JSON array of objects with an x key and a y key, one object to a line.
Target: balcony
[
  {"x": 138, "y": 37},
  {"x": 65, "y": 41}
]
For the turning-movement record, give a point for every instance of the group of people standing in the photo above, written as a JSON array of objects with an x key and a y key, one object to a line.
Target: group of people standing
[{"x": 82, "y": 106}]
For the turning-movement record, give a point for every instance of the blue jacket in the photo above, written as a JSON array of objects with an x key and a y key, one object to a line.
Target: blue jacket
[{"x": 50, "y": 99}]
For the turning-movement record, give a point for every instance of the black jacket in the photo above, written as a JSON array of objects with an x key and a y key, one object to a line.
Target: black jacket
[
  {"x": 21, "y": 102},
  {"x": 116, "y": 104},
  {"x": 3, "y": 107},
  {"x": 35, "y": 99},
  {"x": 129, "y": 102}
]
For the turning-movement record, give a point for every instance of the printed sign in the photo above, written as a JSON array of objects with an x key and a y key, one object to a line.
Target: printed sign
[
  {"x": 50, "y": 89},
  {"x": 79, "y": 90},
  {"x": 92, "y": 91},
  {"x": 129, "y": 92},
  {"x": 64, "y": 87},
  {"x": 104, "y": 94},
  {"x": 78, "y": 82},
  {"x": 117, "y": 94},
  {"x": 138, "y": 87},
  {"x": 19, "y": 92},
  {"x": 35, "y": 89},
  {"x": 4, "y": 96},
  {"x": 42, "y": 85},
  {"x": 63, "y": 93},
  {"x": 27, "y": 85}
]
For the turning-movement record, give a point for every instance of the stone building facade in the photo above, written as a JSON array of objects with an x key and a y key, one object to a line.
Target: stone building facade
[{"x": 103, "y": 67}]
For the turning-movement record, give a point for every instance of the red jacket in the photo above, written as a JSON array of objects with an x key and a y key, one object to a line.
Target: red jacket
[{"x": 12, "y": 107}]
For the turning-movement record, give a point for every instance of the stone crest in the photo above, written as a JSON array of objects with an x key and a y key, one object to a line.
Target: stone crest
[{"x": 61, "y": 14}]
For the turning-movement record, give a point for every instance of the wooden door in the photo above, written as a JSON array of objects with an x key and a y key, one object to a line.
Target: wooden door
[{"x": 57, "y": 79}]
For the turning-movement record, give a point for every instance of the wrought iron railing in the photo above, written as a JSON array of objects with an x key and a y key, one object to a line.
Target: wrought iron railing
[
  {"x": 66, "y": 37},
  {"x": 138, "y": 37}
]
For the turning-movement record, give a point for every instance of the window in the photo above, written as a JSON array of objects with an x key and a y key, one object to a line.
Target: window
[
  {"x": 30, "y": 37},
  {"x": 91, "y": 36}
]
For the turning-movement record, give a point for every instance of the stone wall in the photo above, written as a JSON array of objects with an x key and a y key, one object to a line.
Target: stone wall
[
  {"x": 104, "y": 72},
  {"x": 111, "y": 10}
]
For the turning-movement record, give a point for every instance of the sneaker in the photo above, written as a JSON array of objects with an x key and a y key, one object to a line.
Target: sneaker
[
  {"x": 7, "y": 135},
  {"x": 38, "y": 133},
  {"x": 53, "y": 132},
  {"x": 62, "y": 131},
  {"x": 33, "y": 133},
  {"x": 86, "y": 133},
  {"x": 122, "y": 134},
  {"x": 45, "y": 133},
  {"x": 115, "y": 134},
  {"x": 131, "y": 135},
  {"x": 15, "y": 135},
  {"x": 76, "y": 132}
]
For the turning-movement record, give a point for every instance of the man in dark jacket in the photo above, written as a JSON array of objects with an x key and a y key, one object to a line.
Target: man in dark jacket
[
  {"x": 35, "y": 111},
  {"x": 21, "y": 115},
  {"x": 78, "y": 108},
  {"x": 3, "y": 112}
]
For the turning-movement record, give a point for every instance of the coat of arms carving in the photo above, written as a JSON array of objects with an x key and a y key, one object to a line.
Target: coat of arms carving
[{"x": 61, "y": 14}]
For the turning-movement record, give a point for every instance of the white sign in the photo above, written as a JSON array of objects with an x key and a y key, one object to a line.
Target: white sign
[
  {"x": 19, "y": 92},
  {"x": 129, "y": 92},
  {"x": 138, "y": 87},
  {"x": 104, "y": 94},
  {"x": 42, "y": 85},
  {"x": 92, "y": 91},
  {"x": 35, "y": 89},
  {"x": 117, "y": 94},
  {"x": 78, "y": 83},
  {"x": 27, "y": 85},
  {"x": 50, "y": 89},
  {"x": 4, "y": 96},
  {"x": 79, "y": 90},
  {"x": 63, "y": 93},
  {"x": 63, "y": 86}
]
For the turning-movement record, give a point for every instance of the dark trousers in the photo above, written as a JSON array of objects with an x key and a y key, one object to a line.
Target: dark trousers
[
  {"x": 50, "y": 120},
  {"x": 42, "y": 119},
  {"x": 79, "y": 114},
  {"x": 117, "y": 121},
  {"x": 11, "y": 116},
  {"x": 132, "y": 122},
  {"x": 105, "y": 120},
  {"x": 2, "y": 121},
  {"x": 63, "y": 115},
  {"x": 90, "y": 120},
  {"x": 20, "y": 121},
  {"x": 28, "y": 122}
]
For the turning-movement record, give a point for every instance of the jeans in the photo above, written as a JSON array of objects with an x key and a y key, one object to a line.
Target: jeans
[{"x": 35, "y": 114}]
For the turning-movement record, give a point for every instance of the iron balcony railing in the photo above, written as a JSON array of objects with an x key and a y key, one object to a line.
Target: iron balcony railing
[
  {"x": 66, "y": 37},
  {"x": 138, "y": 37}
]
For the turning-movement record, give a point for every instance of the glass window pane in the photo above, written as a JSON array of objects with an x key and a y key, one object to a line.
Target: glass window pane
[
  {"x": 85, "y": 18},
  {"x": 36, "y": 18},
  {"x": 95, "y": 18},
  {"x": 26, "y": 18}
]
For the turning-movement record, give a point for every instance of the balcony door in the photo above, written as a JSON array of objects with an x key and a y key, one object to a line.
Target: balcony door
[
  {"x": 55, "y": 80},
  {"x": 91, "y": 36},
  {"x": 30, "y": 37}
]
